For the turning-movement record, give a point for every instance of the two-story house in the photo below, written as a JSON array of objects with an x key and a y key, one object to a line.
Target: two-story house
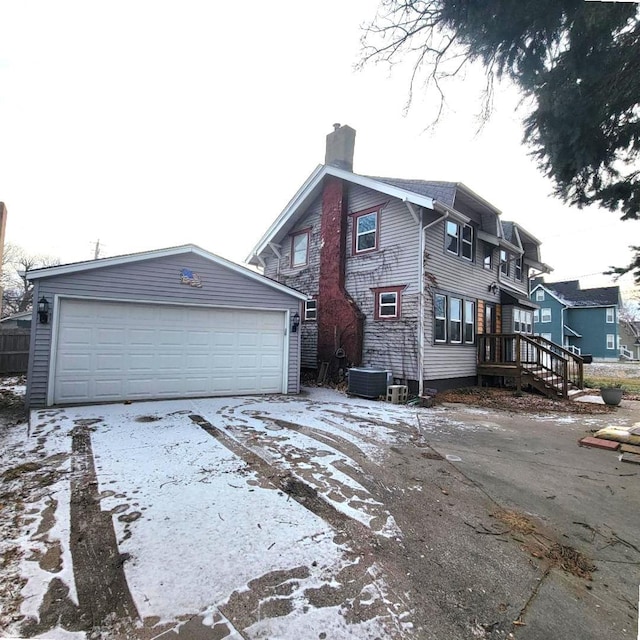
[
  {"x": 401, "y": 274},
  {"x": 584, "y": 321}
]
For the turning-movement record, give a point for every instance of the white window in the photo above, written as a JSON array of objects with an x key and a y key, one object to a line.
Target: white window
[
  {"x": 469, "y": 321},
  {"x": 518, "y": 268},
  {"x": 528, "y": 319},
  {"x": 467, "y": 242},
  {"x": 459, "y": 239},
  {"x": 516, "y": 320},
  {"x": 536, "y": 316},
  {"x": 611, "y": 341},
  {"x": 487, "y": 261},
  {"x": 310, "y": 310},
  {"x": 366, "y": 235},
  {"x": 452, "y": 239},
  {"x": 545, "y": 314},
  {"x": 546, "y": 336},
  {"x": 299, "y": 249},
  {"x": 388, "y": 302},
  {"x": 440, "y": 315},
  {"x": 540, "y": 295},
  {"x": 388, "y": 305},
  {"x": 611, "y": 314},
  {"x": 455, "y": 320},
  {"x": 504, "y": 262}
]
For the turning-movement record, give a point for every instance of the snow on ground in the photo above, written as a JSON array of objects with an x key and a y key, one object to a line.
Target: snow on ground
[{"x": 199, "y": 526}]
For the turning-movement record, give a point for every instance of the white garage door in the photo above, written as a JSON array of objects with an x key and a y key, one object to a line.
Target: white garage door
[{"x": 109, "y": 351}]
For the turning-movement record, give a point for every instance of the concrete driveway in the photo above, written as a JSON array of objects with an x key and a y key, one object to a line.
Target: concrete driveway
[{"x": 321, "y": 516}]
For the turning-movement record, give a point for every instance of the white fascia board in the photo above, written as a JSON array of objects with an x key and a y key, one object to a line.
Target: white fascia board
[
  {"x": 553, "y": 295},
  {"x": 301, "y": 196},
  {"x": 307, "y": 192},
  {"x": 88, "y": 265}
]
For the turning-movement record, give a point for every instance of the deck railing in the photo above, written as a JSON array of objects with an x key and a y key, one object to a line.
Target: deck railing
[{"x": 534, "y": 355}]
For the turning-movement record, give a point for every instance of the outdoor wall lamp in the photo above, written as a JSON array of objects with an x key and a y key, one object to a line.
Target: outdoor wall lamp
[
  {"x": 493, "y": 287},
  {"x": 43, "y": 310},
  {"x": 295, "y": 322}
]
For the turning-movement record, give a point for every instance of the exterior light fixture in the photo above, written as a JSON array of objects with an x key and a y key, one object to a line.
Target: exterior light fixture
[
  {"x": 295, "y": 322},
  {"x": 43, "y": 310},
  {"x": 493, "y": 287}
]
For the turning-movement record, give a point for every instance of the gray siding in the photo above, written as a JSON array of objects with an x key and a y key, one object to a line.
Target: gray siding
[
  {"x": 304, "y": 279},
  {"x": 391, "y": 344},
  {"x": 156, "y": 280},
  {"x": 452, "y": 275}
]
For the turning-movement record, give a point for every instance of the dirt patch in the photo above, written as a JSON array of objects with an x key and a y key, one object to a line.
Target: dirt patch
[
  {"x": 509, "y": 400},
  {"x": 144, "y": 419},
  {"x": 16, "y": 472}
]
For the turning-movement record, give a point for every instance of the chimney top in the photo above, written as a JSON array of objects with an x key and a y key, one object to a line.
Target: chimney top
[{"x": 340, "y": 147}]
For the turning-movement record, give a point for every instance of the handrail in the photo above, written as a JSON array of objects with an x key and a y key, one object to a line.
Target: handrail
[{"x": 550, "y": 363}]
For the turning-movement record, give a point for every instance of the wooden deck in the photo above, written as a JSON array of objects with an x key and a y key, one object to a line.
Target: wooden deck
[{"x": 531, "y": 361}]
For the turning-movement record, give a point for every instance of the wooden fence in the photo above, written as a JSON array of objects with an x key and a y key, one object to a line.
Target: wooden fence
[{"x": 14, "y": 351}]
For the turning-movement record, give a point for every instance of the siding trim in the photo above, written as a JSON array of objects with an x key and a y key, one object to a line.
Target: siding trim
[{"x": 75, "y": 267}]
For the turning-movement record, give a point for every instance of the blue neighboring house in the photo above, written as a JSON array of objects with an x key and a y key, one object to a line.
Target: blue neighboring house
[{"x": 584, "y": 321}]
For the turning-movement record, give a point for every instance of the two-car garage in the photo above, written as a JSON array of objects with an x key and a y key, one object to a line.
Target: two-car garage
[{"x": 135, "y": 328}]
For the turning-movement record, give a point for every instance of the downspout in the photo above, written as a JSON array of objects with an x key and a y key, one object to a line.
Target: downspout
[{"x": 421, "y": 305}]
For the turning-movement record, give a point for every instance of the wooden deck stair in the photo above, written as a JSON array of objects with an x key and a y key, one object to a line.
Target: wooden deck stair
[{"x": 531, "y": 361}]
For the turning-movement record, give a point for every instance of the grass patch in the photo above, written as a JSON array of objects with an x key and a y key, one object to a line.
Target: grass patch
[{"x": 629, "y": 385}]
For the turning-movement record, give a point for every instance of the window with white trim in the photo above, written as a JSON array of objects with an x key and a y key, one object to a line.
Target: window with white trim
[
  {"x": 455, "y": 320},
  {"x": 458, "y": 239},
  {"x": 522, "y": 321},
  {"x": 611, "y": 314},
  {"x": 365, "y": 231},
  {"x": 310, "y": 310},
  {"x": 611, "y": 341},
  {"x": 545, "y": 314},
  {"x": 387, "y": 303},
  {"x": 299, "y": 248},
  {"x": 536, "y": 315},
  {"x": 546, "y": 336},
  {"x": 539, "y": 295},
  {"x": 504, "y": 262}
]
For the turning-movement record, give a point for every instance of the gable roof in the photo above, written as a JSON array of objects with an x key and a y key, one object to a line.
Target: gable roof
[
  {"x": 570, "y": 293},
  {"x": 312, "y": 188},
  {"x": 75, "y": 267}
]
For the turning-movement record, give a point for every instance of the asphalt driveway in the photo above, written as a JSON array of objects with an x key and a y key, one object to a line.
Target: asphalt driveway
[{"x": 320, "y": 516}]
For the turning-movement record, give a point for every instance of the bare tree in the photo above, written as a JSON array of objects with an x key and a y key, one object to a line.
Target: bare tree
[{"x": 17, "y": 291}]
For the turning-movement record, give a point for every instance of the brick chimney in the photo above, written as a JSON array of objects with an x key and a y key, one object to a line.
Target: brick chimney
[
  {"x": 340, "y": 321},
  {"x": 340, "y": 145}
]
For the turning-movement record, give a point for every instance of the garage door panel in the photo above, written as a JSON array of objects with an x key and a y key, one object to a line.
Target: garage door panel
[
  {"x": 114, "y": 351},
  {"x": 76, "y": 363},
  {"x": 142, "y": 337},
  {"x": 110, "y": 362},
  {"x": 76, "y": 335}
]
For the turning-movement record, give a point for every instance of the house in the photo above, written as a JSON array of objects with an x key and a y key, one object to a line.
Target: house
[
  {"x": 16, "y": 321},
  {"x": 401, "y": 274},
  {"x": 171, "y": 323},
  {"x": 584, "y": 321},
  {"x": 629, "y": 331}
]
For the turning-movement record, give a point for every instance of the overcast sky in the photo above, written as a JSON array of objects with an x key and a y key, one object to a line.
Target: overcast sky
[{"x": 150, "y": 124}]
